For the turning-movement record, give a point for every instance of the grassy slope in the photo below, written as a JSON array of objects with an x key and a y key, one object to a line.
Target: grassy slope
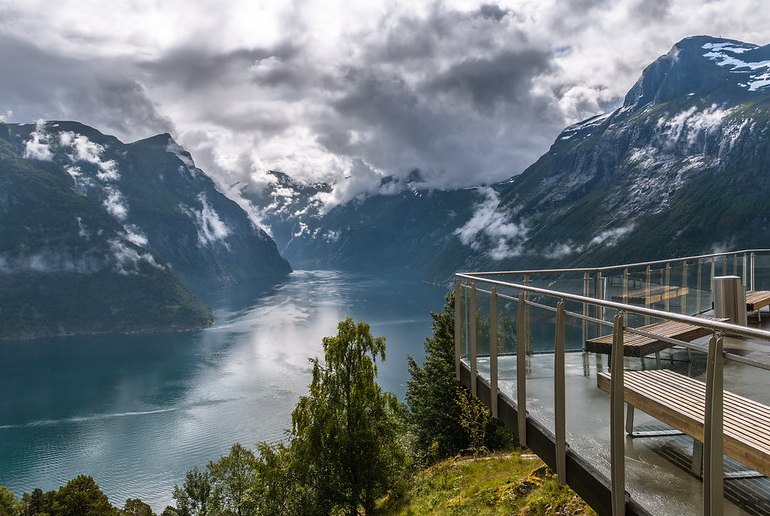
[{"x": 512, "y": 483}]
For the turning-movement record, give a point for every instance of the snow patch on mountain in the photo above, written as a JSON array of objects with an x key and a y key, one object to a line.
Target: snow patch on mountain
[
  {"x": 490, "y": 229},
  {"x": 720, "y": 53}
]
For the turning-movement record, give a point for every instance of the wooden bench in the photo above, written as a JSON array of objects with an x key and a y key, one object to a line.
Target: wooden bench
[
  {"x": 679, "y": 401},
  {"x": 635, "y": 345},
  {"x": 756, "y": 299},
  {"x": 647, "y": 296}
]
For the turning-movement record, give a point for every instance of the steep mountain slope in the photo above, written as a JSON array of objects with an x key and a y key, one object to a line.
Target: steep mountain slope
[
  {"x": 681, "y": 167},
  {"x": 95, "y": 235}
]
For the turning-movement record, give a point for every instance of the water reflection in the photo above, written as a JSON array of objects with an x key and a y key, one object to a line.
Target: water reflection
[{"x": 137, "y": 411}]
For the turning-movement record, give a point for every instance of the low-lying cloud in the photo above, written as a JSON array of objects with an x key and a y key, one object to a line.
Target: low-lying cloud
[{"x": 468, "y": 93}]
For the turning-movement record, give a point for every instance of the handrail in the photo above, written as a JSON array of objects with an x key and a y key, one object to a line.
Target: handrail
[
  {"x": 617, "y": 267},
  {"x": 716, "y": 326}
]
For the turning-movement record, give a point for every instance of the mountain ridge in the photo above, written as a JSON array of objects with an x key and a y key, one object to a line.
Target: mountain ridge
[{"x": 98, "y": 236}]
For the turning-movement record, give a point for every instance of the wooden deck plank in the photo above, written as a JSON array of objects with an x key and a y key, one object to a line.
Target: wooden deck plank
[
  {"x": 635, "y": 345},
  {"x": 654, "y": 294},
  {"x": 757, "y": 299},
  {"x": 679, "y": 401}
]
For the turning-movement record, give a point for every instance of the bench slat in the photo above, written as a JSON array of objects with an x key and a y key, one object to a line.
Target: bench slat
[{"x": 679, "y": 401}]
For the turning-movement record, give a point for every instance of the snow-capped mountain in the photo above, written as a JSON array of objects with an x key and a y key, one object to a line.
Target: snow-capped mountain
[
  {"x": 97, "y": 235},
  {"x": 681, "y": 167}
]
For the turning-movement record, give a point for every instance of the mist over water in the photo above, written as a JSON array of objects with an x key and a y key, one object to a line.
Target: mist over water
[{"x": 137, "y": 411}]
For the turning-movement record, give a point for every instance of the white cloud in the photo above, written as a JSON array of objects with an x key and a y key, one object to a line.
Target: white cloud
[
  {"x": 468, "y": 95},
  {"x": 611, "y": 237},
  {"x": 115, "y": 203},
  {"x": 37, "y": 146},
  {"x": 209, "y": 225},
  {"x": 128, "y": 259},
  {"x": 491, "y": 229}
]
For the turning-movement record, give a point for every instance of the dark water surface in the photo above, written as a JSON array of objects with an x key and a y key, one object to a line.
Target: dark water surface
[{"x": 137, "y": 411}]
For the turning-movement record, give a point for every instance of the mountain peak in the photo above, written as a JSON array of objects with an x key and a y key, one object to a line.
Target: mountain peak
[{"x": 718, "y": 70}]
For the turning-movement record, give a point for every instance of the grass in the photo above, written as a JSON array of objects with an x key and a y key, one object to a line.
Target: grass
[{"x": 509, "y": 483}]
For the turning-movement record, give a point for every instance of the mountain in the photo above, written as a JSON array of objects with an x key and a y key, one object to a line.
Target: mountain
[
  {"x": 681, "y": 167},
  {"x": 99, "y": 236},
  {"x": 402, "y": 232}
]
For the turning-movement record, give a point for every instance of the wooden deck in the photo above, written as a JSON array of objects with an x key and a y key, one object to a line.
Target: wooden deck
[
  {"x": 648, "y": 296},
  {"x": 757, "y": 299},
  {"x": 635, "y": 345},
  {"x": 679, "y": 401}
]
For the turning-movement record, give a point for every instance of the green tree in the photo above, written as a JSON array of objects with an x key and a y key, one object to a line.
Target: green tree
[
  {"x": 443, "y": 417},
  {"x": 37, "y": 502},
  {"x": 231, "y": 477},
  {"x": 432, "y": 393},
  {"x": 8, "y": 504},
  {"x": 345, "y": 432},
  {"x": 136, "y": 507},
  {"x": 81, "y": 496},
  {"x": 279, "y": 491},
  {"x": 192, "y": 498}
]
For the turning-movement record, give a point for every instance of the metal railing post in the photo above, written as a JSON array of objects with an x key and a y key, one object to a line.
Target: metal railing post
[
  {"x": 752, "y": 272},
  {"x": 459, "y": 330},
  {"x": 647, "y": 279},
  {"x": 744, "y": 276},
  {"x": 713, "y": 444},
  {"x": 685, "y": 285},
  {"x": 521, "y": 370},
  {"x": 493, "y": 350},
  {"x": 625, "y": 285},
  {"x": 586, "y": 288},
  {"x": 617, "y": 438},
  {"x": 698, "y": 287},
  {"x": 711, "y": 280},
  {"x": 473, "y": 355},
  {"x": 527, "y": 281},
  {"x": 600, "y": 296},
  {"x": 735, "y": 265},
  {"x": 668, "y": 285},
  {"x": 560, "y": 418}
]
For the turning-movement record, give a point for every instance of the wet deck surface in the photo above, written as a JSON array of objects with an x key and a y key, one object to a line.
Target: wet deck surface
[{"x": 657, "y": 468}]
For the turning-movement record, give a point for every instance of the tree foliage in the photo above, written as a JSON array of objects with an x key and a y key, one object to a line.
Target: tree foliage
[
  {"x": 231, "y": 478},
  {"x": 432, "y": 393},
  {"x": 192, "y": 498},
  {"x": 443, "y": 417},
  {"x": 345, "y": 432}
]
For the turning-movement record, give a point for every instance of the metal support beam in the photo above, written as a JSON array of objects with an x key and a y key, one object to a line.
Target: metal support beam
[
  {"x": 713, "y": 437},
  {"x": 617, "y": 439},
  {"x": 559, "y": 393},
  {"x": 493, "y": 350},
  {"x": 521, "y": 369},
  {"x": 473, "y": 350}
]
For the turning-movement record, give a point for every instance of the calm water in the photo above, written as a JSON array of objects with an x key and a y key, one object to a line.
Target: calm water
[{"x": 137, "y": 411}]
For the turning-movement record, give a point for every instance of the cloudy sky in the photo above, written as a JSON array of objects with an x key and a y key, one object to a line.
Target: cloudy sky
[{"x": 344, "y": 90}]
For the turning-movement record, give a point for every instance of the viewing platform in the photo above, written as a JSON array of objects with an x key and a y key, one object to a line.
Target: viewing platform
[{"x": 684, "y": 431}]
